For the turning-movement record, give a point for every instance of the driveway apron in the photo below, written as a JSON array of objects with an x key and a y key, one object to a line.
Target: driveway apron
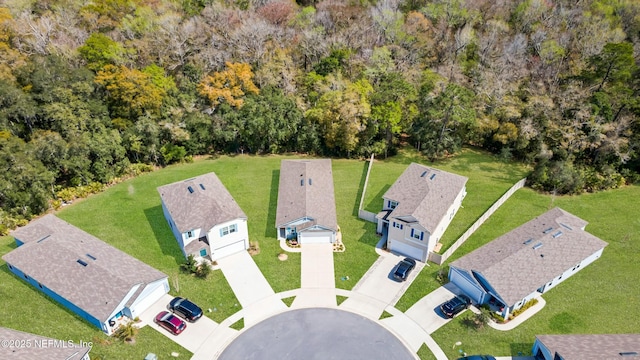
[{"x": 426, "y": 312}]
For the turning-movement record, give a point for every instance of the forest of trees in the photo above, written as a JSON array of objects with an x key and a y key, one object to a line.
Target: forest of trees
[{"x": 91, "y": 89}]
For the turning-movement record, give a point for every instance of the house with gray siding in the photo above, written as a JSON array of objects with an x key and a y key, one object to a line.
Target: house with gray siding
[
  {"x": 587, "y": 346},
  {"x": 204, "y": 218},
  {"x": 94, "y": 280},
  {"x": 25, "y": 346},
  {"x": 306, "y": 203},
  {"x": 527, "y": 261},
  {"x": 418, "y": 208}
]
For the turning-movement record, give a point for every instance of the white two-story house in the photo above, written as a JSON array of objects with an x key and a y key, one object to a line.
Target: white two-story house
[
  {"x": 204, "y": 218},
  {"x": 418, "y": 208}
]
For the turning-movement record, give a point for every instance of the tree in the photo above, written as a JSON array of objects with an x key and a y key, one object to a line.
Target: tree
[
  {"x": 100, "y": 50},
  {"x": 229, "y": 85}
]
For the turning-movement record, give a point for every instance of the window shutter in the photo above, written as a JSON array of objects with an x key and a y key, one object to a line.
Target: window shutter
[
  {"x": 221, "y": 234},
  {"x": 412, "y": 230},
  {"x": 421, "y": 236}
]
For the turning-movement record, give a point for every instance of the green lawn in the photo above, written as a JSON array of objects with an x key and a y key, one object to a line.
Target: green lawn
[
  {"x": 604, "y": 297},
  {"x": 129, "y": 217}
]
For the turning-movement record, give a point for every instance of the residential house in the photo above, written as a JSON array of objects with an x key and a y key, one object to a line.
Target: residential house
[
  {"x": 204, "y": 217},
  {"x": 306, "y": 203},
  {"x": 18, "y": 345},
  {"x": 418, "y": 208},
  {"x": 527, "y": 261},
  {"x": 94, "y": 280},
  {"x": 587, "y": 347}
]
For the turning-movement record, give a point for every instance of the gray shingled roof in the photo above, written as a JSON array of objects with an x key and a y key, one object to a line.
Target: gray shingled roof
[
  {"x": 50, "y": 254},
  {"x": 40, "y": 347},
  {"x": 581, "y": 347},
  {"x": 314, "y": 198},
  {"x": 425, "y": 194},
  {"x": 207, "y": 206},
  {"x": 522, "y": 260}
]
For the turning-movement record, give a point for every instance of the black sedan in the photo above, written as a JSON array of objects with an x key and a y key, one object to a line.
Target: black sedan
[
  {"x": 454, "y": 306},
  {"x": 403, "y": 269},
  {"x": 185, "y": 309}
]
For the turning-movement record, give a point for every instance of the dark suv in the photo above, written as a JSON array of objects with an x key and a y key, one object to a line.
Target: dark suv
[
  {"x": 403, "y": 269},
  {"x": 455, "y": 305},
  {"x": 185, "y": 309}
]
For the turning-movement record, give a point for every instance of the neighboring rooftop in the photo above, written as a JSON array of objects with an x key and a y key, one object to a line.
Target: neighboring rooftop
[
  {"x": 39, "y": 348},
  {"x": 532, "y": 254},
  {"x": 306, "y": 190},
  {"x": 581, "y": 347},
  {"x": 84, "y": 270},
  {"x": 200, "y": 203},
  {"x": 425, "y": 194}
]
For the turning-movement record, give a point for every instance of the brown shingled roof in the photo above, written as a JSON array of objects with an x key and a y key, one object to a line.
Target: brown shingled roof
[
  {"x": 306, "y": 189},
  {"x": 54, "y": 254},
  {"x": 425, "y": 194},
  {"x": 522, "y": 260},
  {"x": 206, "y": 205},
  {"x": 36, "y": 347},
  {"x": 586, "y": 347}
]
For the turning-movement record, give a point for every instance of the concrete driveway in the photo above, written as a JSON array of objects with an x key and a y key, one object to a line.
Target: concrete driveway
[
  {"x": 191, "y": 338},
  {"x": 250, "y": 287},
  {"x": 317, "y": 277},
  {"x": 377, "y": 289},
  {"x": 426, "y": 312}
]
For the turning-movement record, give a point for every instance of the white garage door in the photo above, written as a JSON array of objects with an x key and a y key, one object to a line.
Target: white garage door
[
  {"x": 227, "y": 250},
  {"x": 407, "y": 250},
  {"x": 466, "y": 286},
  {"x": 315, "y": 237},
  {"x": 144, "y": 303}
]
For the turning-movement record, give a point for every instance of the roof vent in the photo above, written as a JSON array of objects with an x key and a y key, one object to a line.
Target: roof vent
[
  {"x": 91, "y": 257},
  {"x": 432, "y": 176},
  {"x": 424, "y": 174},
  {"x": 537, "y": 246},
  {"x": 190, "y": 190},
  {"x": 528, "y": 241},
  {"x": 81, "y": 262},
  {"x": 629, "y": 353},
  {"x": 566, "y": 226},
  {"x": 310, "y": 182},
  {"x": 547, "y": 230},
  {"x": 202, "y": 187},
  {"x": 557, "y": 234},
  {"x": 301, "y": 182}
]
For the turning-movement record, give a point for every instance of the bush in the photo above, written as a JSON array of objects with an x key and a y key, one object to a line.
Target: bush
[
  {"x": 203, "y": 270},
  {"x": 126, "y": 332},
  {"x": 139, "y": 168},
  {"x": 522, "y": 309},
  {"x": 190, "y": 265},
  {"x": 497, "y": 317}
]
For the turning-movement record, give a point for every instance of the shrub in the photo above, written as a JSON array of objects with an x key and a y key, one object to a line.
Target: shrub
[
  {"x": 203, "y": 270},
  {"x": 139, "y": 168},
  {"x": 126, "y": 332},
  {"x": 190, "y": 265},
  {"x": 522, "y": 309},
  {"x": 497, "y": 317}
]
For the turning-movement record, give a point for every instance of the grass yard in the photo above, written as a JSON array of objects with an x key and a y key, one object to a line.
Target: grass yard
[{"x": 604, "y": 297}]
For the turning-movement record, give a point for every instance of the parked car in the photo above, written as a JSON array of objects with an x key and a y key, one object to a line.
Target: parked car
[
  {"x": 477, "y": 357},
  {"x": 167, "y": 320},
  {"x": 185, "y": 309},
  {"x": 403, "y": 269},
  {"x": 454, "y": 306}
]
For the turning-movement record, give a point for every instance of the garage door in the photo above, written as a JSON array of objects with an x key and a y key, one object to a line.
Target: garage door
[
  {"x": 407, "y": 250},
  {"x": 466, "y": 285},
  {"x": 315, "y": 237},
  {"x": 227, "y": 250},
  {"x": 143, "y": 303}
]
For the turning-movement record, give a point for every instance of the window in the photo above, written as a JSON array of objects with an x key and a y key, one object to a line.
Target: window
[
  {"x": 397, "y": 225},
  {"x": 189, "y": 234},
  {"x": 228, "y": 229},
  {"x": 10, "y": 267},
  {"x": 40, "y": 285},
  {"x": 26, "y": 277},
  {"x": 417, "y": 234},
  {"x": 203, "y": 252},
  {"x": 393, "y": 204}
]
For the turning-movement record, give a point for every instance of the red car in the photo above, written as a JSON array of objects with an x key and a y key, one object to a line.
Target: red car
[{"x": 170, "y": 322}]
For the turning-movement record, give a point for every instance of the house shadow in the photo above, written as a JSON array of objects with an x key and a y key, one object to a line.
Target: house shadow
[
  {"x": 521, "y": 349},
  {"x": 270, "y": 227},
  {"x": 163, "y": 234}
]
